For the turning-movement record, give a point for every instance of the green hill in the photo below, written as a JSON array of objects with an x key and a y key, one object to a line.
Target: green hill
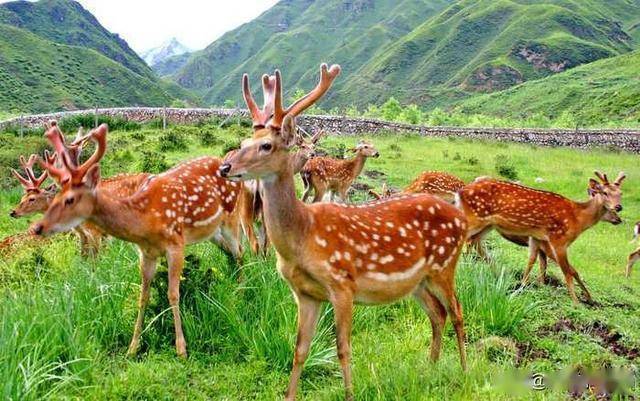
[
  {"x": 37, "y": 75},
  {"x": 296, "y": 35},
  {"x": 484, "y": 46},
  {"x": 595, "y": 93},
  {"x": 67, "y": 22},
  {"x": 428, "y": 52}
]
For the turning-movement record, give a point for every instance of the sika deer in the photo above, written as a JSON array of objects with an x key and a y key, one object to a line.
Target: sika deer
[
  {"x": 438, "y": 183},
  {"x": 373, "y": 253},
  {"x": 184, "y": 205},
  {"x": 635, "y": 255},
  {"x": 551, "y": 221},
  {"x": 322, "y": 174}
]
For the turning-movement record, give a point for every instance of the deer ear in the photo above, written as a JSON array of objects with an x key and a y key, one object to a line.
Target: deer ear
[
  {"x": 288, "y": 130},
  {"x": 92, "y": 178},
  {"x": 594, "y": 187},
  {"x": 51, "y": 188}
]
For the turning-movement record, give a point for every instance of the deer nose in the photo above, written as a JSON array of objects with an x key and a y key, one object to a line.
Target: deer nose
[
  {"x": 13, "y": 214},
  {"x": 618, "y": 208},
  {"x": 37, "y": 229},
  {"x": 224, "y": 169}
]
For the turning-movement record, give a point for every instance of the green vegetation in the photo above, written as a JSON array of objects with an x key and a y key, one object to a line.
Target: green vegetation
[
  {"x": 600, "y": 93},
  {"x": 67, "y": 22},
  {"x": 65, "y": 322},
  {"x": 432, "y": 53}
]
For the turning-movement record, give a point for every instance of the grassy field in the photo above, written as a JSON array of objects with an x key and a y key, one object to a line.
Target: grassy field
[{"x": 65, "y": 322}]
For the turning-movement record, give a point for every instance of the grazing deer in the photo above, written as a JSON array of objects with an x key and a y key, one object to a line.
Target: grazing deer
[
  {"x": 635, "y": 255},
  {"x": 322, "y": 174},
  {"x": 184, "y": 205},
  {"x": 551, "y": 221},
  {"x": 438, "y": 183},
  {"x": 373, "y": 253}
]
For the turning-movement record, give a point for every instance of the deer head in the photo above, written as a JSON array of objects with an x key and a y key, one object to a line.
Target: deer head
[
  {"x": 274, "y": 128},
  {"x": 77, "y": 198},
  {"x": 34, "y": 199},
  {"x": 365, "y": 149},
  {"x": 609, "y": 193}
]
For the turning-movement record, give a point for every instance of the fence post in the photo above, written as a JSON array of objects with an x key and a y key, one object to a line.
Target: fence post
[
  {"x": 164, "y": 118},
  {"x": 95, "y": 117},
  {"x": 21, "y": 126}
]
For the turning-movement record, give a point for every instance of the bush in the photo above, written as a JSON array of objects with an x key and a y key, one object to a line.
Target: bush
[
  {"x": 173, "y": 139},
  {"x": 71, "y": 123},
  {"x": 230, "y": 145},
  {"x": 208, "y": 138},
  {"x": 153, "y": 162},
  {"x": 505, "y": 168}
]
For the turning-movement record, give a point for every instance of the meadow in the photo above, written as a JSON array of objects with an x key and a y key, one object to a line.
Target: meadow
[{"x": 65, "y": 322}]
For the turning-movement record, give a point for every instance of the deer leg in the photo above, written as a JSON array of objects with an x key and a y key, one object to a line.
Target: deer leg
[
  {"x": 534, "y": 249},
  {"x": 437, "y": 315},
  {"x": 319, "y": 194},
  {"x": 542, "y": 256},
  {"x": 569, "y": 274},
  {"x": 475, "y": 242},
  {"x": 307, "y": 188},
  {"x": 175, "y": 259},
  {"x": 342, "y": 301},
  {"x": 148, "y": 264},
  {"x": 631, "y": 260},
  {"x": 84, "y": 242},
  {"x": 443, "y": 288},
  {"x": 308, "y": 309}
]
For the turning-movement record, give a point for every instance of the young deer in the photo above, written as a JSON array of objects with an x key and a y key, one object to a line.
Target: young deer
[
  {"x": 550, "y": 221},
  {"x": 34, "y": 199},
  {"x": 184, "y": 205},
  {"x": 372, "y": 253},
  {"x": 438, "y": 183},
  {"x": 322, "y": 174},
  {"x": 635, "y": 255}
]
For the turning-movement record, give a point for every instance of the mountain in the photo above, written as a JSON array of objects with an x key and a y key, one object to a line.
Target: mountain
[
  {"x": 37, "y": 75},
  {"x": 594, "y": 93},
  {"x": 67, "y": 22},
  {"x": 171, "y": 65},
  {"x": 423, "y": 51},
  {"x": 488, "y": 45},
  {"x": 170, "y": 48},
  {"x": 295, "y": 36}
]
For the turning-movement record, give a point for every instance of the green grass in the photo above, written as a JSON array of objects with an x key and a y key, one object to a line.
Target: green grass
[{"x": 65, "y": 322}]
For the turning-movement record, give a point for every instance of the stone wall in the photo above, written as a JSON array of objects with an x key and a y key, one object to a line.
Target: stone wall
[{"x": 628, "y": 140}]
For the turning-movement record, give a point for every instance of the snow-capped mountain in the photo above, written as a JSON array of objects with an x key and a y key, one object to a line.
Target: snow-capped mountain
[{"x": 170, "y": 48}]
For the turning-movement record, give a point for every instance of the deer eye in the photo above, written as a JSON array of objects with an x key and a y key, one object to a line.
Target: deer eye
[
  {"x": 32, "y": 199},
  {"x": 266, "y": 147},
  {"x": 68, "y": 201}
]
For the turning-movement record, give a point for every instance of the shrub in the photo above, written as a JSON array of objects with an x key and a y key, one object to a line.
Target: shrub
[
  {"x": 71, "y": 123},
  {"x": 505, "y": 168},
  {"x": 174, "y": 139},
  {"x": 391, "y": 109},
  {"x": 153, "y": 162},
  {"x": 230, "y": 145},
  {"x": 208, "y": 138}
]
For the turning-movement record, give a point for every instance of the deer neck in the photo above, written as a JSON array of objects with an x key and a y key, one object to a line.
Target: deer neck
[
  {"x": 357, "y": 164},
  {"x": 285, "y": 217},
  {"x": 590, "y": 213},
  {"x": 117, "y": 217}
]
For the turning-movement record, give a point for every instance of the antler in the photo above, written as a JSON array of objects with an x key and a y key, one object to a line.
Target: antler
[
  {"x": 620, "y": 178},
  {"x": 603, "y": 177},
  {"x": 30, "y": 182},
  {"x": 48, "y": 163},
  {"x": 99, "y": 135},
  {"x": 316, "y": 137},
  {"x": 327, "y": 75},
  {"x": 260, "y": 117}
]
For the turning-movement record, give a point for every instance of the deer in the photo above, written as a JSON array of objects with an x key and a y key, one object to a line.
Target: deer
[
  {"x": 635, "y": 255},
  {"x": 253, "y": 201},
  {"x": 187, "y": 204},
  {"x": 372, "y": 253},
  {"x": 437, "y": 183},
  {"x": 322, "y": 174},
  {"x": 550, "y": 221}
]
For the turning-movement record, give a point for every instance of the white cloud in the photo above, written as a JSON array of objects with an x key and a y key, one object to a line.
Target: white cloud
[{"x": 196, "y": 23}]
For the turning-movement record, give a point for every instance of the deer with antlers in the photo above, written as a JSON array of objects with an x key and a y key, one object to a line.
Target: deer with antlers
[
  {"x": 326, "y": 174},
  {"x": 186, "y": 204},
  {"x": 372, "y": 253},
  {"x": 550, "y": 221}
]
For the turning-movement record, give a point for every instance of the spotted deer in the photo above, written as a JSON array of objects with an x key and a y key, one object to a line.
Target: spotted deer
[
  {"x": 550, "y": 221},
  {"x": 259, "y": 242},
  {"x": 373, "y": 253},
  {"x": 326, "y": 174},
  {"x": 184, "y": 205},
  {"x": 438, "y": 183},
  {"x": 635, "y": 255}
]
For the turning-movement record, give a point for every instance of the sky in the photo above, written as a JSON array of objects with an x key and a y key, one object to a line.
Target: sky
[{"x": 196, "y": 23}]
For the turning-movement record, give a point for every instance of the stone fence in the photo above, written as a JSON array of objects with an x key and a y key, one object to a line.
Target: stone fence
[{"x": 628, "y": 140}]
